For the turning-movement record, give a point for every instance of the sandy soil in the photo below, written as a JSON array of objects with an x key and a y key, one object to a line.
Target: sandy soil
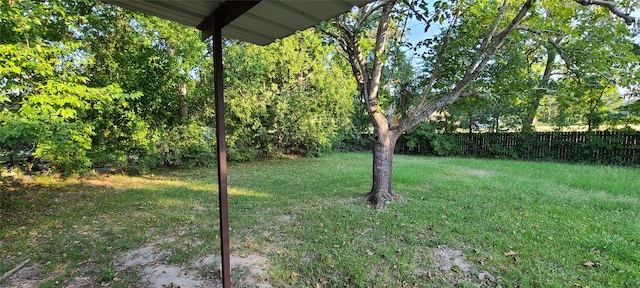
[{"x": 154, "y": 272}]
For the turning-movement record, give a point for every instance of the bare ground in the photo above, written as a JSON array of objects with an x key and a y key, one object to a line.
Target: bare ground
[
  {"x": 27, "y": 277},
  {"x": 450, "y": 268},
  {"x": 147, "y": 263},
  {"x": 154, "y": 272}
]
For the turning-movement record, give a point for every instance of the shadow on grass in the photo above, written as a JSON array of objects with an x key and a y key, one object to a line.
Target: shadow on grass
[{"x": 73, "y": 228}]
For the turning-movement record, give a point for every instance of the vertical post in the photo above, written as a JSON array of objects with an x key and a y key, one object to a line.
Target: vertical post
[{"x": 218, "y": 71}]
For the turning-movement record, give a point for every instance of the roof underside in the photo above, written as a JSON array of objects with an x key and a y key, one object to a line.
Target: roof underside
[{"x": 265, "y": 22}]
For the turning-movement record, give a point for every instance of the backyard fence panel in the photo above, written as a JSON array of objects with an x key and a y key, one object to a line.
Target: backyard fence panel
[{"x": 602, "y": 147}]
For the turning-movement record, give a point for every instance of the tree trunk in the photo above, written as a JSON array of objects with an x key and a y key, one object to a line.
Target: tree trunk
[
  {"x": 528, "y": 123},
  {"x": 470, "y": 117},
  {"x": 381, "y": 192},
  {"x": 529, "y": 119},
  {"x": 368, "y": 80},
  {"x": 182, "y": 89},
  {"x": 182, "y": 97}
]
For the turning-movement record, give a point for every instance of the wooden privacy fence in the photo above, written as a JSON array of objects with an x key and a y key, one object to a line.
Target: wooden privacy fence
[{"x": 603, "y": 147}]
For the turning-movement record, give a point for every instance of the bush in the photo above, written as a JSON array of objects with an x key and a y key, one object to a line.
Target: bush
[
  {"x": 424, "y": 139},
  {"x": 186, "y": 145}
]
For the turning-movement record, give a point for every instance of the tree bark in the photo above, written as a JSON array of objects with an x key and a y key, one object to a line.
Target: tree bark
[
  {"x": 529, "y": 119},
  {"x": 182, "y": 89},
  {"x": 182, "y": 97},
  {"x": 381, "y": 192}
]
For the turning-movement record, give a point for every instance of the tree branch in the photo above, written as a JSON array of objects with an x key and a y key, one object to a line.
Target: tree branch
[
  {"x": 556, "y": 45},
  {"x": 331, "y": 34},
  {"x": 441, "y": 102},
  {"x": 348, "y": 41},
  {"x": 368, "y": 10},
  {"x": 473, "y": 72},
  {"x": 494, "y": 28},
  {"x": 390, "y": 83},
  {"x": 612, "y": 7},
  {"x": 381, "y": 41},
  {"x": 474, "y": 69},
  {"x": 567, "y": 61},
  {"x": 540, "y": 32},
  {"x": 408, "y": 122},
  {"x": 499, "y": 40},
  {"x": 413, "y": 9}
]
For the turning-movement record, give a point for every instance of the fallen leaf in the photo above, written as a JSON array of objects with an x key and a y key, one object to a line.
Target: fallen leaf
[
  {"x": 369, "y": 252},
  {"x": 510, "y": 253},
  {"x": 294, "y": 275},
  {"x": 589, "y": 264},
  {"x": 429, "y": 275},
  {"x": 456, "y": 268}
]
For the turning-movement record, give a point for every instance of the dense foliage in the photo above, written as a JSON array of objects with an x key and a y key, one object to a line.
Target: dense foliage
[
  {"x": 47, "y": 101},
  {"x": 293, "y": 96},
  {"x": 565, "y": 66},
  {"x": 88, "y": 85}
]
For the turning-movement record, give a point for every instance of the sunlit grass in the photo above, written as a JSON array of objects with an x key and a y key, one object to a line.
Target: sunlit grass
[{"x": 305, "y": 216}]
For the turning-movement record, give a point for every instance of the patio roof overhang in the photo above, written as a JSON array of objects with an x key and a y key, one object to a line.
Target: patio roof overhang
[{"x": 259, "y": 22}]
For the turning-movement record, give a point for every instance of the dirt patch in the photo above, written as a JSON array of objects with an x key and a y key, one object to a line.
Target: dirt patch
[
  {"x": 153, "y": 272},
  {"x": 450, "y": 268},
  {"x": 247, "y": 270},
  {"x": 286, "y": 218},
  {"x": 80, "y": 282},
  {"x": 27, "y": 277},
  {"x": 449, "y": 259},
  {"x": 148, "y": 262}
]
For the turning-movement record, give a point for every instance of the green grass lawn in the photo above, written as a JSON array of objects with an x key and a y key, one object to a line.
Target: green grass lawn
[{"x": 305, "y": 216}]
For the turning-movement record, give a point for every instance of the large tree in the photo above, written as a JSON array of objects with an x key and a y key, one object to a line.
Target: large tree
[{"x": 457, "y": 58}]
